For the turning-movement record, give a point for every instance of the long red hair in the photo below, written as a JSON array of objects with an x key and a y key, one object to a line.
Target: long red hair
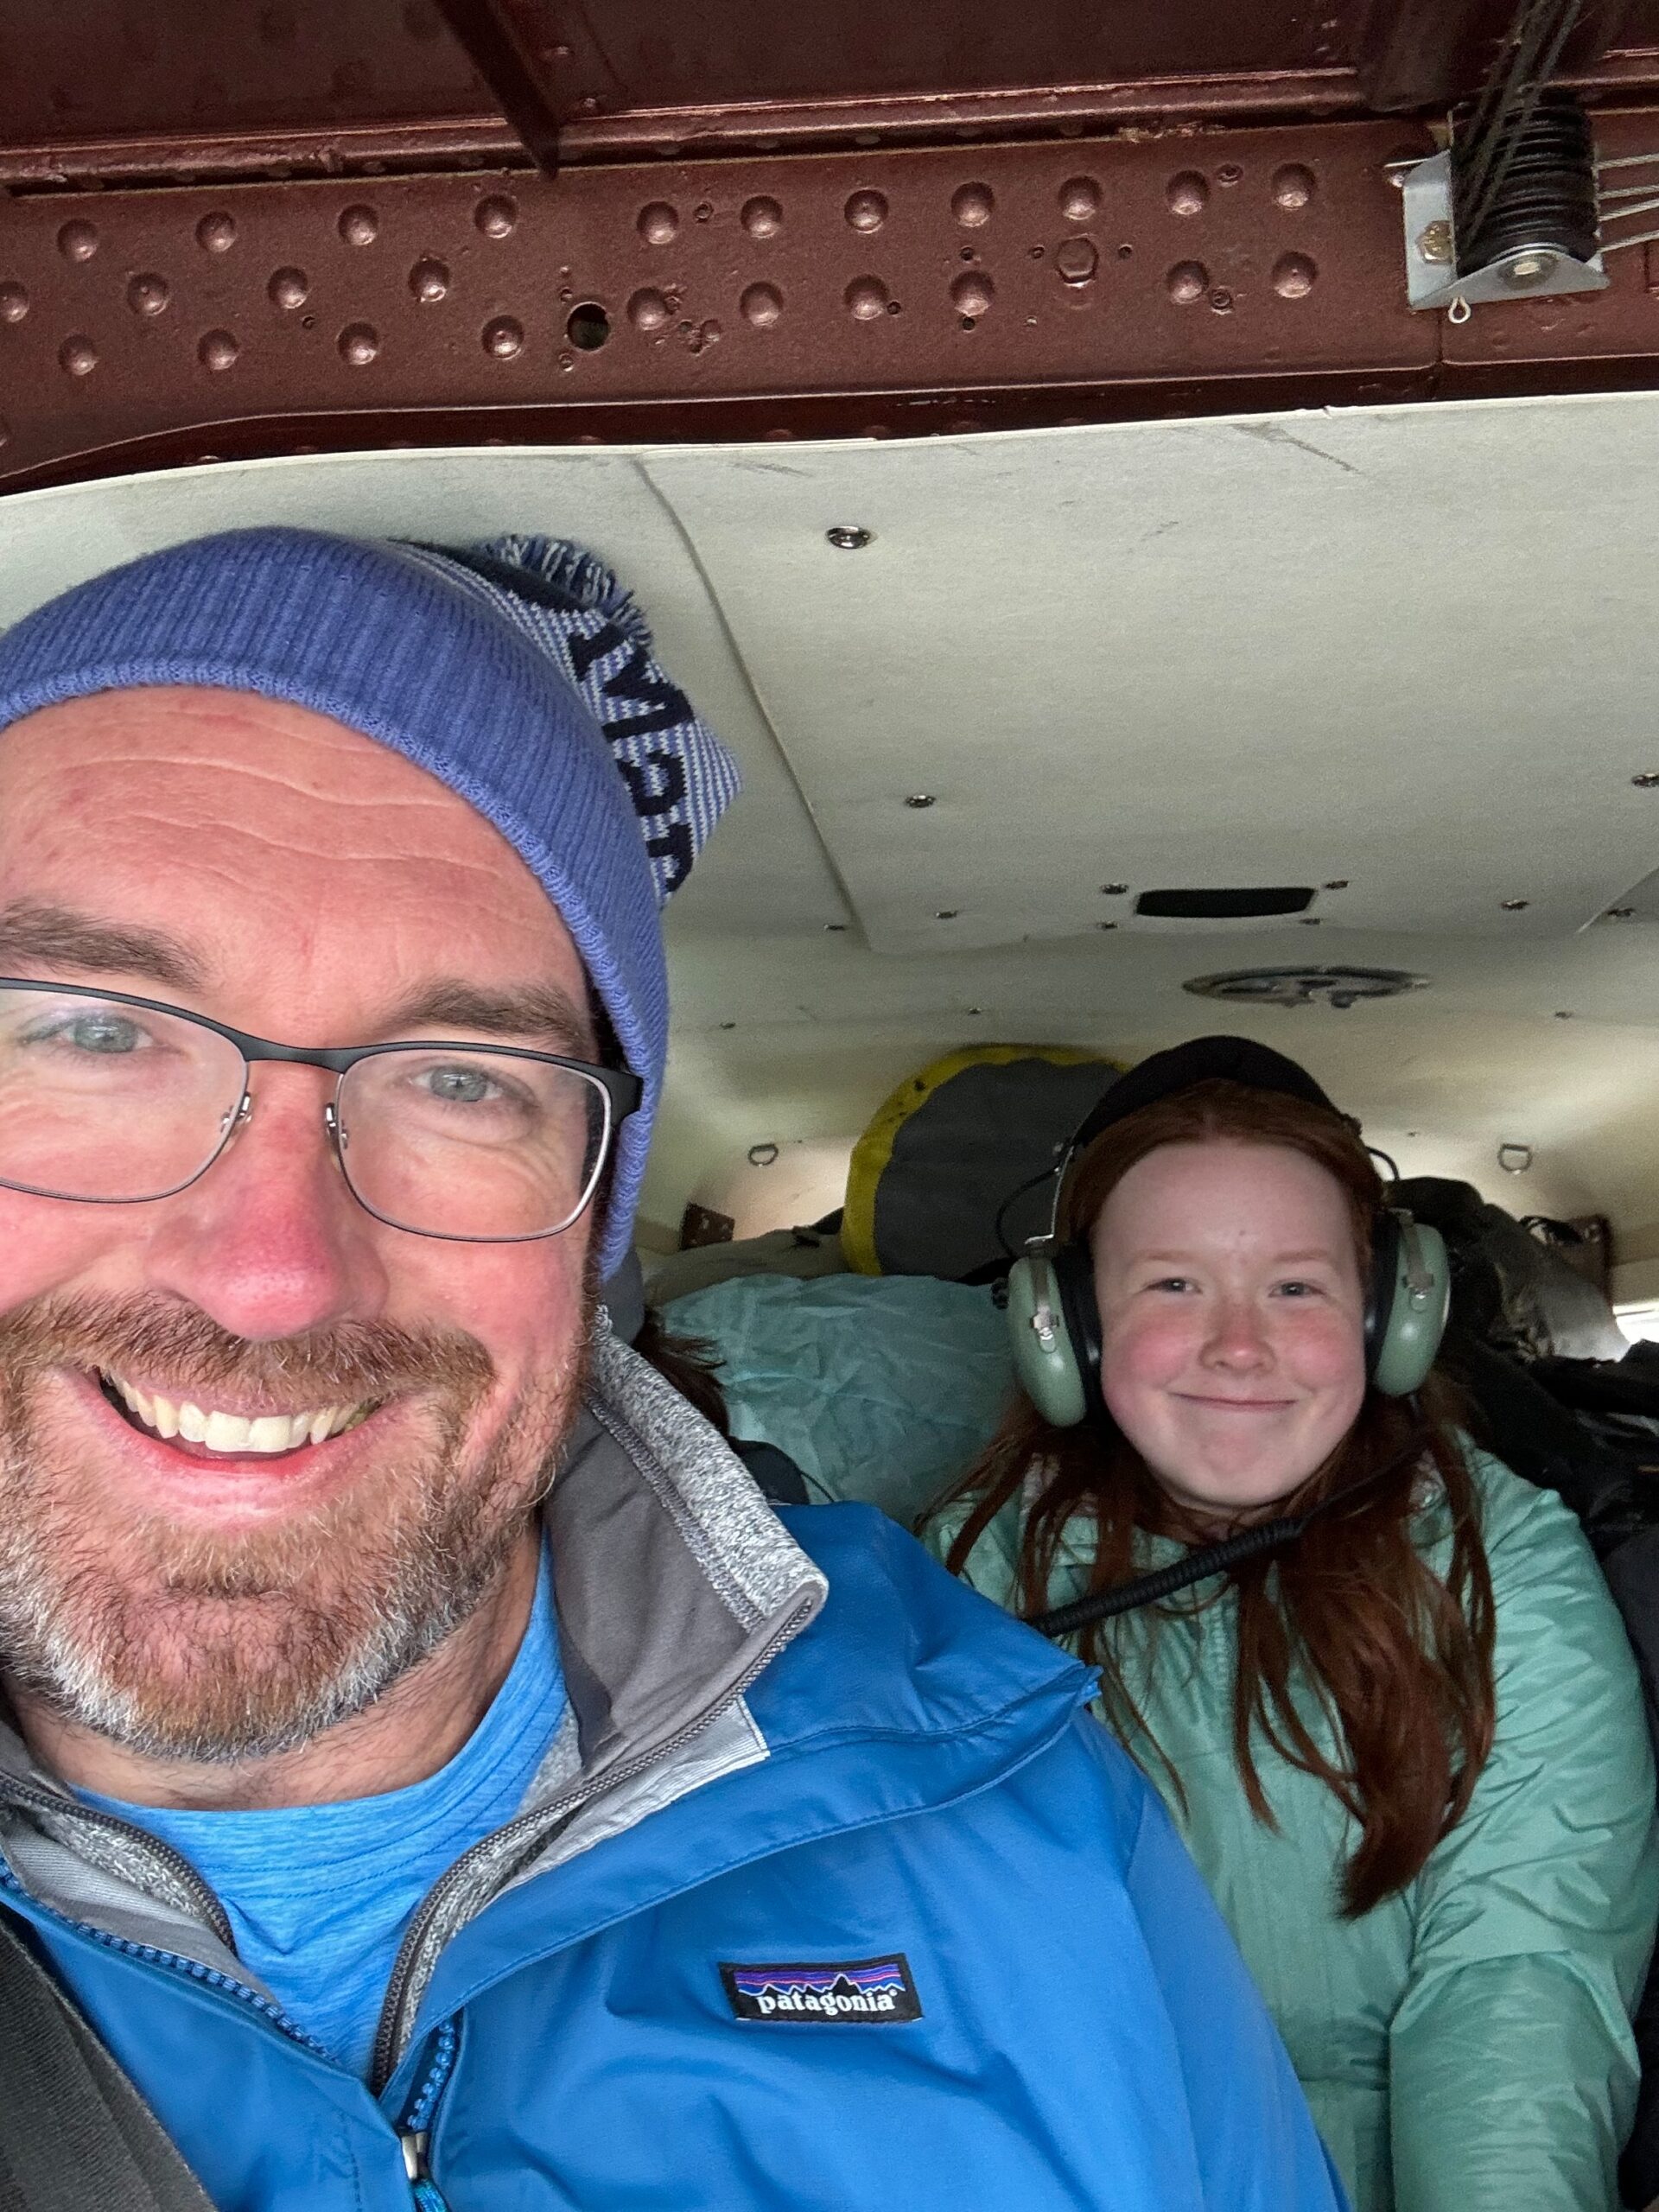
[{"x": 1399, "y": 1659}]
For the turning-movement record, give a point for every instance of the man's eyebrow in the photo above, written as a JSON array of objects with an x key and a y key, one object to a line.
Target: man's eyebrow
[
  {"x": 32, "y": 933},
  {"x": 59, "y": 937},
  {"x": 538, "y": 1011}
]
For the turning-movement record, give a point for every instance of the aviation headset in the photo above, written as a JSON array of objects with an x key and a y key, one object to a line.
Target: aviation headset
[{"x": 1053, "y": 1313}]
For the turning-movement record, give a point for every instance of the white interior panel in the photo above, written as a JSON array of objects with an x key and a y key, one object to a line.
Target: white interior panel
[{"x": 1393, "y": 648}]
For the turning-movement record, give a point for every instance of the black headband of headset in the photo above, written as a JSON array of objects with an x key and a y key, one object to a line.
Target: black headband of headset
[{"x": 1205, "y": 1059}]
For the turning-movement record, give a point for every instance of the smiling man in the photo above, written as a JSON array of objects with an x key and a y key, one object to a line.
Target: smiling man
[
  {"x": 205, "y": 1564},
  {"x": 426, "y": 1762}
]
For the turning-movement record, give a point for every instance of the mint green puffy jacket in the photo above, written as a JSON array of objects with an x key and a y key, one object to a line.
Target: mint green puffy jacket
[{"x": 1464, "y": 2046}]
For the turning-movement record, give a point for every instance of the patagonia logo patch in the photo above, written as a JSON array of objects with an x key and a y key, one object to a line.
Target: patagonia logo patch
[{"x": 861, "y": 1992}]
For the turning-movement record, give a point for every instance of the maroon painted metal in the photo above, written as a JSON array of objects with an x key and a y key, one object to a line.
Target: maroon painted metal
[
  {"x": 523, "y": 73},
  {"x": 97, "y": 90},
  {"x": 263, "y": 154},
  {"x": 731, "y": 297},
  {"x": 94, "y": 70},
  {"x": 314, "y": 225},
  {"x": 634, "y": 74}
]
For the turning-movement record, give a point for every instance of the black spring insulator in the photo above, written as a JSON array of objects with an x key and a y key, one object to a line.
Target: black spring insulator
[{"x": 1532, "y": 189}]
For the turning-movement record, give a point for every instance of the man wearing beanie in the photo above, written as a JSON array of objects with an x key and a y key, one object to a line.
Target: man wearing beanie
[{"x": 430, "y": 1773}]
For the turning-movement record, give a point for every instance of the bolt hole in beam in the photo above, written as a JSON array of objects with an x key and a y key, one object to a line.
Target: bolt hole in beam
[{"x": 588, "y": 327}]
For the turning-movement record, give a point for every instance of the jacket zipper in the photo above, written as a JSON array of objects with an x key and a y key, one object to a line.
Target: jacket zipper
[
  {"x": 151, "y": 1954},
  {"x": 208, "y": 1909},
  {"x": 422, "y": 2187},
  {"x": 415, "y": 2133},
  {"x": 539, "y": 1830},
  {"x": 543, "y": 1824}
]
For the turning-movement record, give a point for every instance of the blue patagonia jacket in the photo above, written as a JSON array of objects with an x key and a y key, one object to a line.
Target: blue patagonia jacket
[{"x": 830, "y": 1893}]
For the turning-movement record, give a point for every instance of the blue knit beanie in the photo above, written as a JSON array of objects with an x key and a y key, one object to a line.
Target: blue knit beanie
[{"x": 518, "y": 672}]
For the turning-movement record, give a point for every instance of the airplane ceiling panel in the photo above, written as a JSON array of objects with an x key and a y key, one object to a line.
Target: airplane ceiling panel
[{"x": 1382, "y": 656}]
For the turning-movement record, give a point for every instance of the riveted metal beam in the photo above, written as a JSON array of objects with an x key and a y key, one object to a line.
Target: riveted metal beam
[
  {"x": 885, "y": 291},
  {"x": 888, "y": 292}
]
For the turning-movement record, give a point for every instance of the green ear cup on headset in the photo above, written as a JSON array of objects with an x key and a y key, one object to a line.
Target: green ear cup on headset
[
  {"x": 1043, "y": 1356},
  {"x": 1413, "y": 1296}
]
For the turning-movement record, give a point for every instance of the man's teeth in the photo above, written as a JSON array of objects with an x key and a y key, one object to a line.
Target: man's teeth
[{"x": 222, "y": 1432}]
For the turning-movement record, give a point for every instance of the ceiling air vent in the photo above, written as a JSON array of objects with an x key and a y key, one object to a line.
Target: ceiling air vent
[
  {"x": 1250, "y": 904},
  {"x": 1339, "y": 987}
]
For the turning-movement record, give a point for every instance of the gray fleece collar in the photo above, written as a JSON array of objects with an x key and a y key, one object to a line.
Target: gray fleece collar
[{"x": 676, "y": 1585}]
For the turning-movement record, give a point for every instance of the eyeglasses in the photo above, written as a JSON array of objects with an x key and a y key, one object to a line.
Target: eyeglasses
[{"x": 112, "y": 1100}]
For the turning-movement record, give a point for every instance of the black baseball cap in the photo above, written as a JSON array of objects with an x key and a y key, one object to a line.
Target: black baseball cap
[{"x": 1203, "y": 1059}]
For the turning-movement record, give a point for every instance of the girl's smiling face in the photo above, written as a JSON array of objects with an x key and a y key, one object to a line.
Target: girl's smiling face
[{"x": 1232, "y": 1321}]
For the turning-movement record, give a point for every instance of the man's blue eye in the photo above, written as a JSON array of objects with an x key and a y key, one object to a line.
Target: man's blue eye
[
  {"x": 460, "y": 1086},
  {"x": 107, "y": 1033}
]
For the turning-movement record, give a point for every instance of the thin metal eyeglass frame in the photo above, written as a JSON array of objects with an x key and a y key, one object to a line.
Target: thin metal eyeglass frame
[{"x": 623, "y": 1091}]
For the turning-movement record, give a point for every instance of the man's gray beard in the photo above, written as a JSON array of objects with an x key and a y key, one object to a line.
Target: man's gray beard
[{"x": 181, "y": 1645}]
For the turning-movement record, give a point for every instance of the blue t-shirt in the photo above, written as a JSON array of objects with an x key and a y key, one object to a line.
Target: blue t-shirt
[{"x": 318, "y": 1896}]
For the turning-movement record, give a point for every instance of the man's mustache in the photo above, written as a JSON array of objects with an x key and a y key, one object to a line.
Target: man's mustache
[{"x": 165, "y": 1343}]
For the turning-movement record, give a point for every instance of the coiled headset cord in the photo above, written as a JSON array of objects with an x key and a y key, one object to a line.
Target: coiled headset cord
[{"x": 1213, "y": 1559}]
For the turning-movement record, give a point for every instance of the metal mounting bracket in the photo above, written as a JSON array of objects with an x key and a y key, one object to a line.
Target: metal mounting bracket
[{"x": 1432, "y": 278}]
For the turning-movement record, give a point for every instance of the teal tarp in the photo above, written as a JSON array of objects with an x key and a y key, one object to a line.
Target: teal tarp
[{"x": 882, "y": 1389}]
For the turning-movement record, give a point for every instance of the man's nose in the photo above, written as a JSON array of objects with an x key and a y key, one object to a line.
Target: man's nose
[{"x": 270, "y": 1242}]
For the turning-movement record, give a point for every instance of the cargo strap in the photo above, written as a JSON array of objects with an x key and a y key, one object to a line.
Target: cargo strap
[{"x": 75, "y": 2133}]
